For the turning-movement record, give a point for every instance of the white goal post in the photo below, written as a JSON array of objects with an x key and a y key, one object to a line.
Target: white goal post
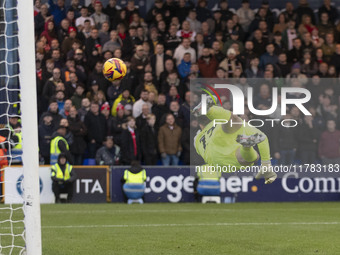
[{"x": 30, "y": 157}]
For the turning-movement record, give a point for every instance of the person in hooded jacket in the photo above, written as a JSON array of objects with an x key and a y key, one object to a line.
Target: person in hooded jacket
[{"x": 62, "y": 178}]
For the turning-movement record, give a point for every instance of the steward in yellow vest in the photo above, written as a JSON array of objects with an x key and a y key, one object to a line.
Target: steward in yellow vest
[
  {"x": 59, "y": 145},
  {"x": 134, "y": 182},
  {"x": 136, "y": 174},
  {"x": 62, "y": 178}
]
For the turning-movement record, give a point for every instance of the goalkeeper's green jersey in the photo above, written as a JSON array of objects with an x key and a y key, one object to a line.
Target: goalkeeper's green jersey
[{"x": 217, "y": 147}]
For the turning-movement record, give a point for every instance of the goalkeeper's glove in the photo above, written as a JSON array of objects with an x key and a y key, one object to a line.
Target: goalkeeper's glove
[{"x": 266, "y": 171}]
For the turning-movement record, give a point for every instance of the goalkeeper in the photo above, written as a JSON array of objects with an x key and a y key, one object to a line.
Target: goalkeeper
[{"x": 232, "y": 143}]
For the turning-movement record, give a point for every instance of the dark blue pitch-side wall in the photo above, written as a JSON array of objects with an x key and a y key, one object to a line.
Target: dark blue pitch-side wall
[{"x": 174, "y": 184}]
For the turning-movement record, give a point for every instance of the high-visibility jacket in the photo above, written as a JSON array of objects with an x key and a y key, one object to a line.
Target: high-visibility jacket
[
  {"x": 207, "y": 173},
  {"x": 57, "y": 172},
  {"x": 135, "y": 178},
  {"x": 54, "y": 149},
  {"x": 17, "y": 150}
]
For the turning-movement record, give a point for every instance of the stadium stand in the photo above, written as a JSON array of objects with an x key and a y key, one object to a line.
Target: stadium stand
[{"x": 174, "y": 42}]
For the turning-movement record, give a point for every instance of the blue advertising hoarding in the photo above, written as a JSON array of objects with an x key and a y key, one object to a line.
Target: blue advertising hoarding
[{"x": 175, "y": 184}]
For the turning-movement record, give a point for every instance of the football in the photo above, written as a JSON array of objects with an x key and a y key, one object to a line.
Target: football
[{"x": 114, "y": 69}]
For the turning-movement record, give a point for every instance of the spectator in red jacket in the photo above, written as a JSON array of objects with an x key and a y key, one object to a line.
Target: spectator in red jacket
[{"x": 207, "y": 64}]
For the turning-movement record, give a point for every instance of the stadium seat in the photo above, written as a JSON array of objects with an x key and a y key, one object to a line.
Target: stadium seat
[{"x": 89, "y": 162}]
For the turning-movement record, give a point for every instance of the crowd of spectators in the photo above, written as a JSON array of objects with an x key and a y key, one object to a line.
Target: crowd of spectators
[{"x": 146, "y": 116}]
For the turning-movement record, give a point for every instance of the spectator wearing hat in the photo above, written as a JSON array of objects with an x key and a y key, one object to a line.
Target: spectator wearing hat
[
  {"x": 98, "y": 16},
  {"x": 59, "y": 145},
  {"x": 62, "y": 178},
  {"x": 217, "y": 24},
  {"x": 92, "y": 94},
  {"x": 79, "y": 132},
  {"x": 97, "y": 75},
  {"x": 45, "y": 131},
  {"x": 234, "y": 38},
  {"x": 66, "y": 43},
  {"x": 230, "y": 63},
  {"x": 78, "y": 95},
  {"x": 246, "y": 15},
  {"x": 96, "y": 126}
]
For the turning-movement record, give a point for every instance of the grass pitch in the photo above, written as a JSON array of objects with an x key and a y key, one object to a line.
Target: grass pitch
[{"x": 241, "y": 228}]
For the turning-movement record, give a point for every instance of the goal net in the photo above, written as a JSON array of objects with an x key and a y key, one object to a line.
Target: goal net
[{"x": 20, "y": 231}]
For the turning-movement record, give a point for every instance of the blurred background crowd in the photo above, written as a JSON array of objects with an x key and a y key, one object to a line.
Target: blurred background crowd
[{"x": 146, "y": 116}]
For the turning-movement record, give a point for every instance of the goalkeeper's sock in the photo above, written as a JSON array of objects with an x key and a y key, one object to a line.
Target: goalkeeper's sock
[
  {"x": 218, "y": 112},
  {"x": 248, "y": 154}
]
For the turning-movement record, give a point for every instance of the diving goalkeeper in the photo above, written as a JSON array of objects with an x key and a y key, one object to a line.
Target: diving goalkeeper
[{"x": 231, "y": 143}]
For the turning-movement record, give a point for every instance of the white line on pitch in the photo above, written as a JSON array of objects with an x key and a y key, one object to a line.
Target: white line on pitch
[{"x": 194, "y": 225}]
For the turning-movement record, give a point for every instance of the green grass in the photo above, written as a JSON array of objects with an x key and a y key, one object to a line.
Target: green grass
[{"x": 241, "y": 228}]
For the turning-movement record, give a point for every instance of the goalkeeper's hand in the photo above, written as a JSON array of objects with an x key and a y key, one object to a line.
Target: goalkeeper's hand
[{"x": 266, "y": 171}]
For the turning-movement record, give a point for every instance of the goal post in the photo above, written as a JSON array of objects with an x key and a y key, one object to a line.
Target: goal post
[{"x": 30, "y": 156}]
